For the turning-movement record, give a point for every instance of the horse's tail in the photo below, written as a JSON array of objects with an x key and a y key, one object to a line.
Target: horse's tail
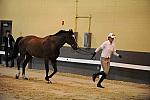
[{"x": 16, "y": 49}]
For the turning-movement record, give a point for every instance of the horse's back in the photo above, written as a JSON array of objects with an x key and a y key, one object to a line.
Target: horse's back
[
  {"x": 32, "y": 39},
  {"x": 36, "y": 46}
]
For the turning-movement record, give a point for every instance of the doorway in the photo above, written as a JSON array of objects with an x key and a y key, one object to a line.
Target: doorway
[{"x": 4, "y": 25}]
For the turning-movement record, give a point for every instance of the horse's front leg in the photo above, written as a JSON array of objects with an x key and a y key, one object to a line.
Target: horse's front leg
[
  {"x": 54, "y": 64},
  {"x": 47, "y": 69}
]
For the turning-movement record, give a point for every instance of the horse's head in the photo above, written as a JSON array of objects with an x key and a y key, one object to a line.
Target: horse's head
[{"x": 70, "y": 39}]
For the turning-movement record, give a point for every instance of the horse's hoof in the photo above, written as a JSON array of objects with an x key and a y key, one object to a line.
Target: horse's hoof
[
  {"x": 26, "y": 78},
  {"x": 47, "y": 78},
  {"x": 17, "y": 77},
  {"x": 49, "y": 82}
]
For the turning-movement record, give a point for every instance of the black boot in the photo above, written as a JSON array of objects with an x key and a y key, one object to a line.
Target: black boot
[
  {"x": 12, "y": 63},
  {"x": 101, "y": 80},
  {"x": 7, "y": 65},
  {"x": 94, "y": 77},
  {"x": 96, "y": 74},
  {"x": 99, "y": 85}
]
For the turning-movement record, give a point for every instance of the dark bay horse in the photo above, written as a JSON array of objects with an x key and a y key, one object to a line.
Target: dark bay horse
[{"x": 47, "y": 48}]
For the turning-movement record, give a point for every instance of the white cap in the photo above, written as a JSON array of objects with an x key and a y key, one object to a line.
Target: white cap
[{"x": 112, "y": 35}]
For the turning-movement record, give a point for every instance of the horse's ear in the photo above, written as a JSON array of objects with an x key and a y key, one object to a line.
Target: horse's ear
[{"x": 70, "y": 30}]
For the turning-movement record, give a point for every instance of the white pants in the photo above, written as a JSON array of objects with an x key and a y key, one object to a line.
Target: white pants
[{"x": 105, "y": 63}]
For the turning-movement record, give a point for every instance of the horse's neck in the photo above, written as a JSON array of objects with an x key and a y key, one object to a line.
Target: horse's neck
[{"x": 60, "y": 41}]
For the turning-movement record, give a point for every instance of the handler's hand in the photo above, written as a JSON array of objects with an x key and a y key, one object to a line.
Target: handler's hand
[
  {"x": 120, "y": 56},
  {"x": 93, "y": 55}
]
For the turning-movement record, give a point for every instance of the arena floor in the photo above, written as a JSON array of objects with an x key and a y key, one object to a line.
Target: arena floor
[{"x": 66, "y": 87}]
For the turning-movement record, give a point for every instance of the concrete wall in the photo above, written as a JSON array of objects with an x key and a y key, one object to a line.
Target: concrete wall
[{"x": 129, "y": 19}]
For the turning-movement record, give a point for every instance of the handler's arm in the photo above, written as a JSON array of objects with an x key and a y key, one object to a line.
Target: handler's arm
[
  {"x": 116, "y": 54},
  {"x": 97, "y": 50}
]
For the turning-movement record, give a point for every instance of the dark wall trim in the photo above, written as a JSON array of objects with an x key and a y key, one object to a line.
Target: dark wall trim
[
  {"x": 129, "y": 57},
  {"x": 116, "y": 73}
]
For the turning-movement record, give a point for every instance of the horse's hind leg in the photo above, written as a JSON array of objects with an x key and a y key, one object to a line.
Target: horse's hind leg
[
  {"x": 27, "y": 59},
  {"x": 19, "y": 60}
]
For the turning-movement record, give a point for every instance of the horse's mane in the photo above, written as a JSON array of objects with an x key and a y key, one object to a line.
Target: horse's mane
[{"x": 60, "y": 32}]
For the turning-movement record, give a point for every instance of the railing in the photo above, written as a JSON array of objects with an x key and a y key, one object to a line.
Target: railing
[{"x": 96, "y": 62}]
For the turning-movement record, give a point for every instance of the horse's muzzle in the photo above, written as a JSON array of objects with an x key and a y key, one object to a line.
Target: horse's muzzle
[{"x": 74, "y": 46}]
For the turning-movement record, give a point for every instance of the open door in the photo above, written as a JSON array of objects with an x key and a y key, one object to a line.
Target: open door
[{"x": 4, "y": 25}]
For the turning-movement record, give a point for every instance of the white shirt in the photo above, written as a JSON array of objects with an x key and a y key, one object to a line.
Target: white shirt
[
  {"x": 107, "y": 49},
  {"x": 8, "y": 42}
]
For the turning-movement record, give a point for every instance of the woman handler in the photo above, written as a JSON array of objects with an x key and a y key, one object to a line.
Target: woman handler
[{"x": 108, "y": 48}]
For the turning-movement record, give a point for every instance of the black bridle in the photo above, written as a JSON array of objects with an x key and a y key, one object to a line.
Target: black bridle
[{"x": 83, "y": 52}]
